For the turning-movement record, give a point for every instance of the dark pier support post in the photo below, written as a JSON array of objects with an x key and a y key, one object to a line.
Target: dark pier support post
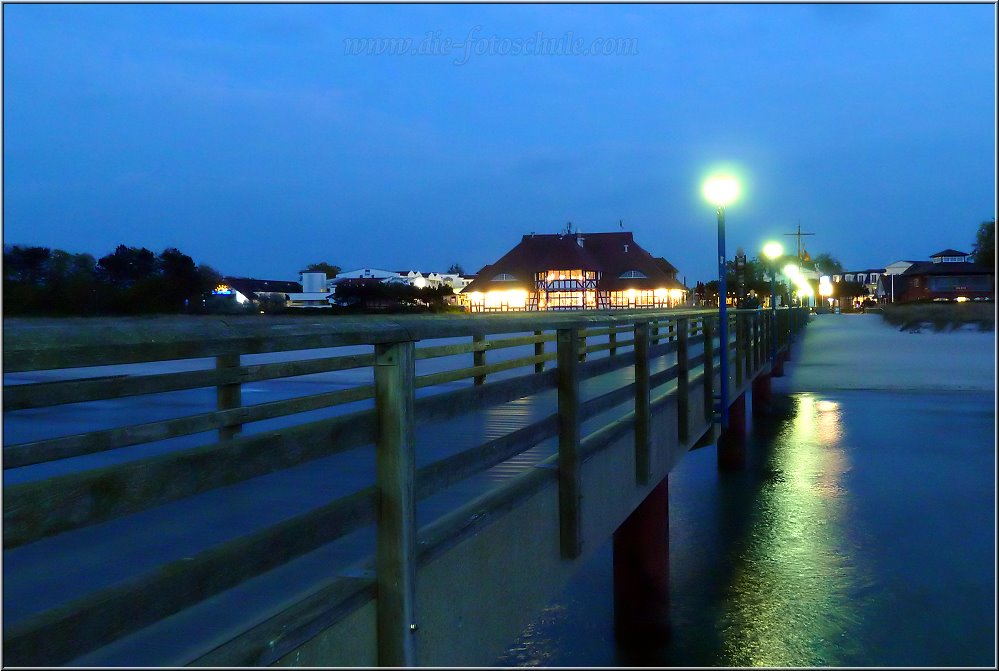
[
  {"x": 732, "y": 442},
  {"x": 761, "y": 394},
  {"x": 641, "y": 570}
]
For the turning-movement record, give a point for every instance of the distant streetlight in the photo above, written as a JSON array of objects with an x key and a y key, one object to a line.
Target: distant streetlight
[
  {"x": 722, "y": 190},
  {"x": 826, "y": 289},
  {"x": 773, "y": 251}
]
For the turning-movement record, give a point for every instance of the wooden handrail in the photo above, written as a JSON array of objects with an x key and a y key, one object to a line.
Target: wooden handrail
[{"x": 37, "y": 509}]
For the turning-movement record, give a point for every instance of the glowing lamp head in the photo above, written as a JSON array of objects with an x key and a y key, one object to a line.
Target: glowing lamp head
[
  {"x": 825, "y": 287},
  {"x": 721, "y": 190},
  {"x": 773, "y": 250}
]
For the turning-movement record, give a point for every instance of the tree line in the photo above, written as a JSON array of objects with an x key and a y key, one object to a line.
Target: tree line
[{"x": 129, "y": 280}]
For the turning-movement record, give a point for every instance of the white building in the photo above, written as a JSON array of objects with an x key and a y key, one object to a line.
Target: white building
[
  {"x": 314, "y": 293},
  {"x": 414, "y": 278}
]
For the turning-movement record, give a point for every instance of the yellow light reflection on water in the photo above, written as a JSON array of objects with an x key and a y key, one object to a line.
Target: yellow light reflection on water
[{"x": 790, "y": 602}]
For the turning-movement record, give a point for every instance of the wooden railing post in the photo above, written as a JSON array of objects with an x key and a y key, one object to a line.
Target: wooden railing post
[
  {"x": 755, "y": 318},
  {"x": 612, "y": 339},
  {"x": 569, "y": 481},
  {"x": 785, "y": 328},
  {"x": 709, "y": 368},
  {"x": 395, "y": 474},
  {"x": 228, "y": 396},
  {"x": 479, "y": 358},
  {"x": 683, "y": 379},
  {"x": 740, "y": 349},
  {"x": 582, "y": 346},
  {"x": 643, "y": 410},
  {"x": 539, "y": 350}
]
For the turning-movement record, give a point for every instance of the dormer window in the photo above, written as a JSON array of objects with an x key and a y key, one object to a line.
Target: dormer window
[
  {"x": 504, "y": 277},
  {"x": 632, "y": 274},
  {"x": 626, "y": 248}
]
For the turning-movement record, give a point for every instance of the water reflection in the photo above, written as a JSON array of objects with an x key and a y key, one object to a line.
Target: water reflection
[{"x": 790, "y": 603}]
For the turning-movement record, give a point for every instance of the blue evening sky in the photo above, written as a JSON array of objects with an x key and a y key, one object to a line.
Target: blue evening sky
[{"x": 245, "y": 135}]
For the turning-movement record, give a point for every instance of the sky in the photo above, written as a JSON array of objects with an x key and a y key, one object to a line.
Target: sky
[{"x": 261, "y": 138}]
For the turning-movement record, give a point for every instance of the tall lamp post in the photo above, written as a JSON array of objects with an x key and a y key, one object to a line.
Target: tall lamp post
[
  {"x": 773, "y": 251},
  {"x": 720, "y": 191}
]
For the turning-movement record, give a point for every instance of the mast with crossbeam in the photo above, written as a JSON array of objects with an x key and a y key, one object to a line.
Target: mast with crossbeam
[{"x": 798, "y": 234}]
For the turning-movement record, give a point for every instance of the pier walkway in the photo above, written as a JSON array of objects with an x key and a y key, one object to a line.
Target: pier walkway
[{"x": 375, "y": 491}]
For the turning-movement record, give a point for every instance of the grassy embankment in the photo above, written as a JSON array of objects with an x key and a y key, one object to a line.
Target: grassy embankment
[{"x": 941, "y": 316}]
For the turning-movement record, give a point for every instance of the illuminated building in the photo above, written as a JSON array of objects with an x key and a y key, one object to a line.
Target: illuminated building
[
  {"x": 243, "y": 290},
  {"x": 575, "y": 271},
  {"x": 949, "y": 275}
]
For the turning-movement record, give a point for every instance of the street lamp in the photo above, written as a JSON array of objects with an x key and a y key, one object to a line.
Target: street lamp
[
  {"x": 773, "y": 251},
  {"x": 826, "y": 289},
  {"x": 721, "y": 190}
]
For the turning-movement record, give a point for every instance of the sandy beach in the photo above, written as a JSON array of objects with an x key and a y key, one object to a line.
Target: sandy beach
[{"x": 862, "y": 351}]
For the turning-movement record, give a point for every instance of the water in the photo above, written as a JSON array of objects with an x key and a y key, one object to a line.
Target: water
[{"x": 861, "y": 533}]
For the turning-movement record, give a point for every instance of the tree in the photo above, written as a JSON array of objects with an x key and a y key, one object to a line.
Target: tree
[
  {"x": 456, "y": 269},
  {"x": 25, "y": 264},
  {"x": 984, "y": 249},
  {"x": 71, "y": 284},
  {"x": 126, "y": 266},
  {"x": 827, "y": 264},
  {"x": 849, "y": 290},
  {"x": 323, "y": 267},
  {"x": 179, "y": 281},
  {"x": 24, "y": 271}
]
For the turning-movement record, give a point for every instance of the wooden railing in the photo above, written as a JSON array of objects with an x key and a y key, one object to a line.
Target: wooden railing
[{"x": 581, "y": 346}]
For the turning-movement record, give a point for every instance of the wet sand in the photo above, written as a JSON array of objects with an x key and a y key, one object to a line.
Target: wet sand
[{"x": 862, "y": 351}]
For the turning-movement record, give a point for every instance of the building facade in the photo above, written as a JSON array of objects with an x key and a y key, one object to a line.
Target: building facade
[
  {"x": 243, "y": 290},
  {"x": 573, "y": 271},
  {"x": 949, "y": 275}
]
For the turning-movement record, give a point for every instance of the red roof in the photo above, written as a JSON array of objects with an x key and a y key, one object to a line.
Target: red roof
[{"x": 611, "y": 254}]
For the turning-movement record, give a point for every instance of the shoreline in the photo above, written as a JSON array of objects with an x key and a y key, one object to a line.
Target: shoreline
[{"x": 861, "y": 352}]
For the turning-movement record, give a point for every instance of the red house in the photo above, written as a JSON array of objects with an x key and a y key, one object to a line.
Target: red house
[
  {"x": 575, "y": 271},
  {"x": 949, "y": 275}
]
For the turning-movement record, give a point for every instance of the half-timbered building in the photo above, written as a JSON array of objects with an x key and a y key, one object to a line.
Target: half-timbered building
[{"x": 575, "y": 271}]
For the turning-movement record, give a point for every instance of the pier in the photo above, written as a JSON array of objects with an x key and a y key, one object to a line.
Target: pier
[{"x": 429, "y": 489}]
